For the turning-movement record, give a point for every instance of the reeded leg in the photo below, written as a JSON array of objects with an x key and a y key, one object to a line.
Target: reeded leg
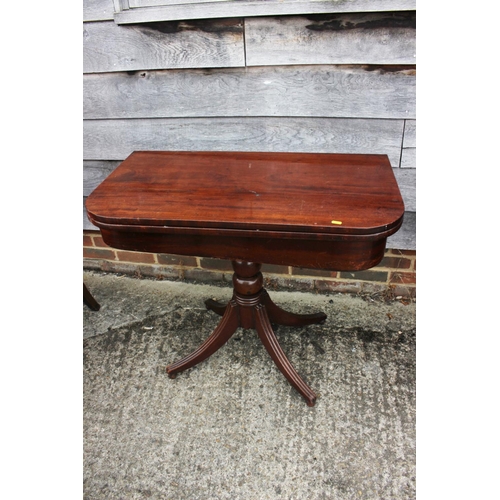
[
  {"x": 221, "y": 334},
  {"x": 281, "y": 317},
  {"x": 268, "y": 338},
  {"x": 215, "y": 306}
]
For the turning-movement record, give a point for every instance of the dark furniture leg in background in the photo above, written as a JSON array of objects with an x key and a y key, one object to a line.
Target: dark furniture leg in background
[{"x": 89, "y": 300}]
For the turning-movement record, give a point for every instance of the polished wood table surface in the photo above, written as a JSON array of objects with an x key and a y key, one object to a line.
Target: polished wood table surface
[{"x": 319, "y": 211}]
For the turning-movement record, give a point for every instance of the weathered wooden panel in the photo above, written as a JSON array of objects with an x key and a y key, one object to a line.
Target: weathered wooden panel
[
  {"x": 408, "y": 153},
  {"x": 406, "y": 237},
  {"x": 248, "y": 8},
  {"x": 410, "y": 134},
  {"x": 98, "y": 10},
  {"x": 116, "y": 139},
  {"x": 406, "y": 179},
  {"x": 197, "y": 44},
  {"x": 94, "y": 172},
  {"x": 328, "y": 91},
  {"x": 373, "y": 38},
  {"x": 409, "y": 158},
  {"x": 87, "y": 225}
]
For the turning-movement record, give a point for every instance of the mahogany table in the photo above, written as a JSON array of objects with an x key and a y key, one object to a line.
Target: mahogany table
[{"x": 320, "y": 211}]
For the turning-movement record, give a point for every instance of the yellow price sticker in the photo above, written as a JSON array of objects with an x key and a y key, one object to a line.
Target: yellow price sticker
[{"x": 337, "y": 222}]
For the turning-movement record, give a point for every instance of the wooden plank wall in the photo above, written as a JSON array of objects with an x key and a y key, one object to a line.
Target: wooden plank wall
[{"x": 317, "y": 83}]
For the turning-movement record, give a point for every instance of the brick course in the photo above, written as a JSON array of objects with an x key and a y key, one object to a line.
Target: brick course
[{"x": 395, "y": 276}]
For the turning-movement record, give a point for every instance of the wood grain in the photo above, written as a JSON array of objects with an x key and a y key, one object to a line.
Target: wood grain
[
  {"x": 116, "y": 139},
  {"x": 108, "y": 47},
  {"x": 321, "y": 91},
  {"x": 371, "y": 38}
]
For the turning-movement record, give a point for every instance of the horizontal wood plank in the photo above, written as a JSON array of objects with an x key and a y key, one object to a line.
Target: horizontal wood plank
[
  {"x": 116, "y": 139},
  {"x": 372, "y": 38},
  {"x": 248, "y": 8},
  {"x": 98, "y": 10},
  {"x": 326, "y": 91},
  {"x": 108, "y": 47}
]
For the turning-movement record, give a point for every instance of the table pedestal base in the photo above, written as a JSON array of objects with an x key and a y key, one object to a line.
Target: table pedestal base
[{"x": 251, "y": 308}]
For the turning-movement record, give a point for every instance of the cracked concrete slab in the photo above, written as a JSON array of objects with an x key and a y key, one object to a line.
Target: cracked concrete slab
[{"x": 232, "y": 427}]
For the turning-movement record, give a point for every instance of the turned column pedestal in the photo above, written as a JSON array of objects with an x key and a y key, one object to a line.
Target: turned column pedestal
[{"x": 251, "y": 308}]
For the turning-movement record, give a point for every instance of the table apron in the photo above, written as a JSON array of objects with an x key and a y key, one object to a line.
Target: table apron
[{"x": 342, "y": 253}]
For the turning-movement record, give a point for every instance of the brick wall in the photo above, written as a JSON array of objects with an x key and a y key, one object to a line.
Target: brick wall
[{"x": 394, "y": 277}]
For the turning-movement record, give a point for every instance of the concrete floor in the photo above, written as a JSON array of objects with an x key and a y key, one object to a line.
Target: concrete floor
[{"x": 232, "y": 427}]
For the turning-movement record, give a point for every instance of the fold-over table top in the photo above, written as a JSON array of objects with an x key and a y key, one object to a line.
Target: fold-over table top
[{"x": 292, "y": 192}]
